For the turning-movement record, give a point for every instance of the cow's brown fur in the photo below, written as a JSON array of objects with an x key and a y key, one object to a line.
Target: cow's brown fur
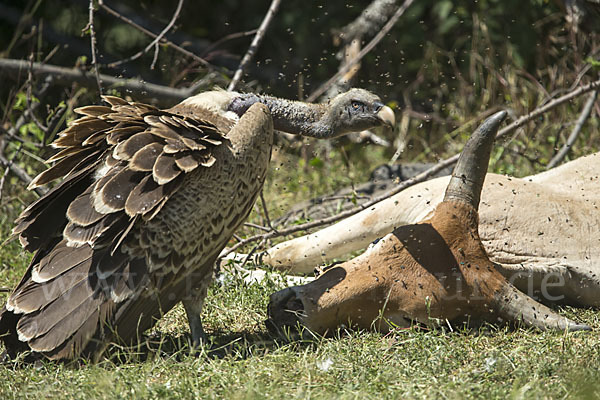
[{"x": 434, "y": 269}]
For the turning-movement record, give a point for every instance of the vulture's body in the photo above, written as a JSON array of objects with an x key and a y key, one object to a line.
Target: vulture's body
[{"x": 148, "y": 200}]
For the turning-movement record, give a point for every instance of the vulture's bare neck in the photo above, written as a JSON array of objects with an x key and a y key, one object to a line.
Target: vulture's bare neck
[{"x": 289, "y": 116}]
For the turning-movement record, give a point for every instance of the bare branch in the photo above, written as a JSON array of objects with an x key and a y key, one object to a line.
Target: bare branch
[
  {"x": 266, "y": 212},
  {"x": 165, "y": 95},
  {"x": 20, "y": 173},
  {"x": 90, "y": 26},
  {"x": 226, "y": 38},
  {"x": 154, "y": 42},
  {"x": 418, "y": 178},
  {"x": 585, "y": 113},
  {"x": 262, "y": 29},
  {"x": 7, "y": 168},
  {"x": 368, "y": 23},
  {"x": 28, "y": 98},
  {"x": 350, "y": 37},
  {"x": 153, "y": 35},
  {"x": 255, "y": 226},
  {"x": 346, "y": 67}
]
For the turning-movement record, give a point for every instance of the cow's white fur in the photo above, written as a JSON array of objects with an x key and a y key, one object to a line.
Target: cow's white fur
[{"x": 541, "y": 227}]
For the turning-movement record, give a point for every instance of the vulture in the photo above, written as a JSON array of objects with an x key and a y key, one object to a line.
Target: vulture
[{"x": 147, "y": 201}]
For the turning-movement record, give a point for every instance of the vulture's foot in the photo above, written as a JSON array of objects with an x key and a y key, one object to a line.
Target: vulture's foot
[{"x": 193, "y": 309}]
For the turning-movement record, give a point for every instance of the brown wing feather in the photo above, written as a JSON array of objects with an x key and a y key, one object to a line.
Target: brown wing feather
[
  {"x": 61, "y": 169},
  {"x": 81, "y": 210},
  {"x": 73, "y": 347},
  {"x": 77, "y": 235},
  {"x": 134, "y": 278},
  {"x": 165, "y": 169},
  {"x": 127, "y": 148},
  {"x": 122, "y": 131},
  {"x": 60, "y": 260},
  {"x": 114, "y": 193},
  {"x": 145, "y": 158},
  {"x": 148, "y": 194},
  {"x": 186, "y": 161},
  {"x": 93, "y": 111},
  {"x": 34, "y": 296},
  {"x": 39, "y": 322}
]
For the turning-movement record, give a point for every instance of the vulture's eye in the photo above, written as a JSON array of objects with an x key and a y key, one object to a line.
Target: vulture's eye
[{"x": 357, "y": 105}]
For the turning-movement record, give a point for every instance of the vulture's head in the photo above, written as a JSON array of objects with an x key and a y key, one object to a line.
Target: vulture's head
[{"x": 357, "y": 110}]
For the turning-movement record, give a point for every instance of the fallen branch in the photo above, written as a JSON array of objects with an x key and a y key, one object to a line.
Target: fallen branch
[
  {"x": 419, "y": 178},
  {"x": 585, "y": 113},
  {"x": 254, "y": 45},
  {"x": 164, "y": 94},
  {"x": 347, "y": 66}
]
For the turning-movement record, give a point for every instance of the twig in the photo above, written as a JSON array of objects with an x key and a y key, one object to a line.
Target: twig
[
  {"x": 7, "y": 168},
  {"x": 262, "y": 29},
  {"x": 585, "y": 113},
  {"x": 251, "y": 252},
  {"x": 21, "y": 174},
  {"x": 226, "y": 38},
  {"x": 350, "y": 39},
  {"x": 90, "y": 26},
  {"x": 264, "y": 206},
  {"x": 164, "y": 94},
  {"x": 595, "y": 85},
  {"x": 154, "y": 42},
  {"x": 418, "y": 178},
  {"x": 256, "y": 226},
  {"x": 13, "y": 131},
  {"x": 153, "y": 35},
  {"x": 28, "y": 98},
  {"x": 346, "y": 66},
  {"x": 370, "y": 20}
]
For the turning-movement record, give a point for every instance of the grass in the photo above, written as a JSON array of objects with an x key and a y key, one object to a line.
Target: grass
[{"x": 247, "y": 362}]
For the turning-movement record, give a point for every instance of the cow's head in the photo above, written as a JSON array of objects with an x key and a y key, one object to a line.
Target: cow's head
[{"x": 434, "y": 270}]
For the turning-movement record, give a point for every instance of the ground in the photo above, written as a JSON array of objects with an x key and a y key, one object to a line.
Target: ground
[
  {"x": 247, "y": 362},
  {"x": 250, "y": 364}
]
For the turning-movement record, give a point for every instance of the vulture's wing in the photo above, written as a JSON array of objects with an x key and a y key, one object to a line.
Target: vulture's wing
[
  {"x": 145, "y": 152},
  {"x": 119, "y": 164}
]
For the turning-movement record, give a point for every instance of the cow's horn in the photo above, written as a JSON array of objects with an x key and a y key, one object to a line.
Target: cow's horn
[
  {"x": 469, "y": 173},
  {"x": 513, "y": 305}
]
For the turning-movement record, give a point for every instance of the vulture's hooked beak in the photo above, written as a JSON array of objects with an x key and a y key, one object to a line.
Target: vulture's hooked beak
[{"x": 386, "y": 115}]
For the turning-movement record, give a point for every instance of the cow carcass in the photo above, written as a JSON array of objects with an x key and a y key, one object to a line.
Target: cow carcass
[
  {"x": 438, "y": 269},
  {"x": 540, "y": 231}
]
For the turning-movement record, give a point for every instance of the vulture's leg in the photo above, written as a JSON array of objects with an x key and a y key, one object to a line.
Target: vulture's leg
[{"x": 193, "y": 302}]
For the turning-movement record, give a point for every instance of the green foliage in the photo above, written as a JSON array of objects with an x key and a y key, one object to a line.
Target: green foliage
[{"x": 594, "y": 63}]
